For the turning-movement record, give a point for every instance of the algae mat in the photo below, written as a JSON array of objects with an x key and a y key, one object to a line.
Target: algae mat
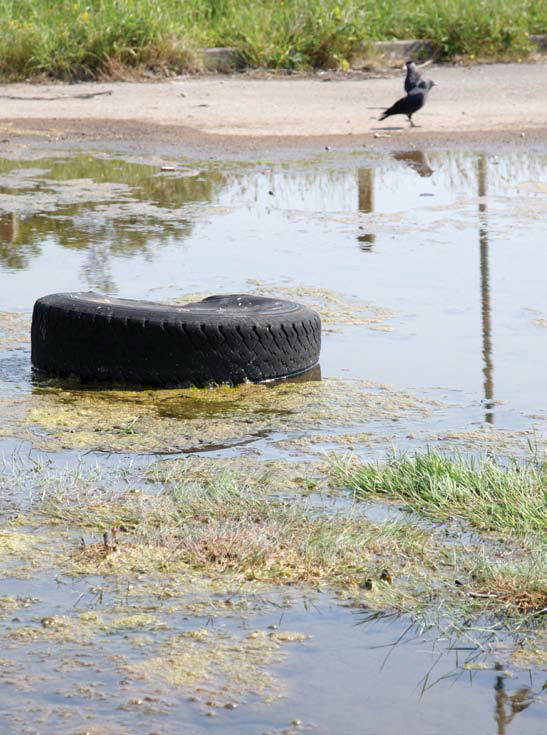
[{"x": 184, "y": 420}]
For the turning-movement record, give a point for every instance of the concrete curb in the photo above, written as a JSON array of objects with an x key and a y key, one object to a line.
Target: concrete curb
[{"x": 227, "y": 59}]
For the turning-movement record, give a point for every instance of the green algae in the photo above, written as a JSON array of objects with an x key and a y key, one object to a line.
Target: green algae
[
  {"x": 336, "y": 309},
  {"x": 487, "y": 438},
  {"x": 55, "y": 418},
  {"x": 316, "y": 443},
  {"x": 17, "y": 543},
  {"x": 228, "y": 666}
]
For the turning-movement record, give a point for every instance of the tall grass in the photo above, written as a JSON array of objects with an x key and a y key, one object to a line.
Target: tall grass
[{"x": 90, "y": 39}]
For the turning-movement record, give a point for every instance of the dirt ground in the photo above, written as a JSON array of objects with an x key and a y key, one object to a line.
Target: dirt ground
[{"x": 494, "y": 103}]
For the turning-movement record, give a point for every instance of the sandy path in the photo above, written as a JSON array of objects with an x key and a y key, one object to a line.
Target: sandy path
[{"x": 496, "y": 98}]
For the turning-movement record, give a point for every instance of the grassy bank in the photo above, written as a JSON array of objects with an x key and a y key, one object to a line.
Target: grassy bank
[{"x": 71, "y": 39}]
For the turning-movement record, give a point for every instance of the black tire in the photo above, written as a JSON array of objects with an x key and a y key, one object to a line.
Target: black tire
[{"x": 222, "y": 339}]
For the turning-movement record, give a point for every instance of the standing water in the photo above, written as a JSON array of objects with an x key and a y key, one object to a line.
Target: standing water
[{"x": 428, "y": 270}]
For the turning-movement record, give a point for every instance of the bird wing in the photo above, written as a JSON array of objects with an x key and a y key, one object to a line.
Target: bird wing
[{"x": 413, "y": 77}]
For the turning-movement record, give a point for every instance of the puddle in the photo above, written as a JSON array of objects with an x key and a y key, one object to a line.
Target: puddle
[
  {"x": 161, "y": 652},
  {"x": 428, "y": 271},
  {"x": 420, "y": 293}
]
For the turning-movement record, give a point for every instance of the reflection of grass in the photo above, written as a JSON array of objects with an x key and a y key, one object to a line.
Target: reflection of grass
[
  {"x": 73, "y": 38},
  {"x": 492, "y": 497},
  {"x": 130, "y": 207}
]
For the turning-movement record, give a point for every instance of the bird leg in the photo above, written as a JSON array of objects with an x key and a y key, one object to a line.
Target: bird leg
[{"x": 412, "y": 124}]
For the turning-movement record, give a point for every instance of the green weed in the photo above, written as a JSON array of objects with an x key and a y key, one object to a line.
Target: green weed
[
  {"x": 490, "y": 495},
  {"x": 71, "y": 39}
]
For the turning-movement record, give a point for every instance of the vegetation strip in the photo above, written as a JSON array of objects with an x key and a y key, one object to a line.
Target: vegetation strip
[
  {"x": 78, "y": 39},
  {"x": 242, "y": 528}
]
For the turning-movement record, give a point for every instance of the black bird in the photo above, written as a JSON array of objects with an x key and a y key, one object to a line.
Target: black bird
[
  {"x": 413, "y": 102},
  {"x": 413, "y": 76}
]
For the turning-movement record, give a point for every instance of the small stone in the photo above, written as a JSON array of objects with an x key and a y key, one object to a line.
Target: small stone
[
  {"x": 230, "y": 705},
  {"x": 296, "y": 723}
]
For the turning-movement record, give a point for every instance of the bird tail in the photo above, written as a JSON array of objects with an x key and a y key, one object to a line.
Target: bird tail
[{"x": 383, "y": 116}]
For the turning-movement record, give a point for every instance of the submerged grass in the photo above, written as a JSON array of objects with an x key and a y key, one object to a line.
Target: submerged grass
[
  {"x": 490, "y": 495},
  {"x": 229, "y": 528},
  {"x": 223, "y": 526},
  {"x": 71, "y": 39}
]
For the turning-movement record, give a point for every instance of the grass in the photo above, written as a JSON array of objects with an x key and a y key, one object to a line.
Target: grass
[
  {"x": 504, "y": 498},
  {"x": 75, "y": 39},
  {"x": 224, "y": 526},
  {"x": 252, "y": 528},
  {"x": 227, "y": 527}
]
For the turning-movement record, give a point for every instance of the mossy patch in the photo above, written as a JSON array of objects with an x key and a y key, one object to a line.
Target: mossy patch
[
  {"x": 182, "y": 420},
  {"x": 227, "y": 666}
]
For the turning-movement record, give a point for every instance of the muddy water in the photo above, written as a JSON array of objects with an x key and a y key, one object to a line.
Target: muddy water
[{"x": 428, "y": 271}]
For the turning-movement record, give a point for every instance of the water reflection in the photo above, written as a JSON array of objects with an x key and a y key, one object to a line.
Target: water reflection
[
  {"x": 108, "y": 207},
  {"x": 129, "y": 228},
  {"x": 15, "y": 252},
  {"x": 507, "y": 705},
  {"x": 416, "y": 160},
  {"x": 96, "y": 268},
  {"x": 488, "y": 368},
  {"x": 9, "y": 227},
  {"x": 365, "y": 179}
]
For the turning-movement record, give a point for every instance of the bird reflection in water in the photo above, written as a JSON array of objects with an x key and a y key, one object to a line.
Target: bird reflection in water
[
  {"x": 417, "y": 161},
  {"x": 366, "y": 205}
]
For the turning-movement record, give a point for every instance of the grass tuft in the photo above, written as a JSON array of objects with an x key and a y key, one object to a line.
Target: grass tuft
[{"x": 490, "y": 495}]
